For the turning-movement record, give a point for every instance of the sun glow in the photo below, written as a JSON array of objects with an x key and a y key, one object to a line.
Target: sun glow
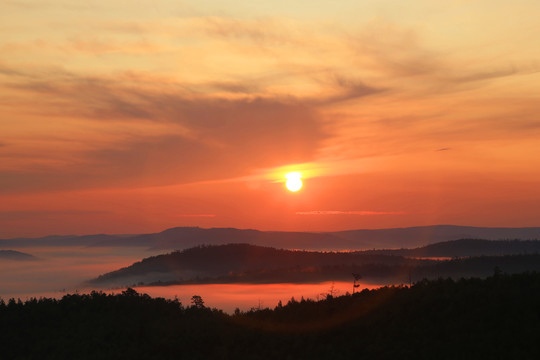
[{"x": 294, "y": 182}]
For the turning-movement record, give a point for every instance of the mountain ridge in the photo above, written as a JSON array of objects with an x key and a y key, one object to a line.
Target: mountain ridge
[{"x": 178, "y": 238}]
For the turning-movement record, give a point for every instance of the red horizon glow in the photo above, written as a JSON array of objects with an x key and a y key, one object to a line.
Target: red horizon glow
[{"x": 122, "y": 120}]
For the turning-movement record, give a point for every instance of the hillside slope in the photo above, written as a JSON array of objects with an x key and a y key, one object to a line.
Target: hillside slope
[
  {"x": 246, "y": 263},
  {"x": 15, "y": 255},
  {"x": 223, "y": 260}
]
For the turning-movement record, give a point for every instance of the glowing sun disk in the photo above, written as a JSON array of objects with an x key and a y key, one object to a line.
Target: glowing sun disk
[{"x": 294, "y": 183}]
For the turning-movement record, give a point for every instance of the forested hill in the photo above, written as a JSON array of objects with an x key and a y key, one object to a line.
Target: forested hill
[
  {"x": 468, "y": 247},
  {"x": 255, "y": 264},
  {"x": 221, "y": 260},
  {"x": 495, "y": 318}
]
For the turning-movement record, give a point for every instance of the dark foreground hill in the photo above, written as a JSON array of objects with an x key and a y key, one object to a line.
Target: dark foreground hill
[
  {"x": 495, "y": 318},
  {"x": 244, "y": 263},
  {"x": 233, "y": 259}
]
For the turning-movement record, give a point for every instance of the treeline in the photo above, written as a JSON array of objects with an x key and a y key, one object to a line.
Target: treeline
[
  {"x": 494, "y": 318},
  {"x": 468, "y": 247},
  {"x": 213, "y": 261},
  {"x": 256, "y": 264},
  {"x": 405, "y": 273}
]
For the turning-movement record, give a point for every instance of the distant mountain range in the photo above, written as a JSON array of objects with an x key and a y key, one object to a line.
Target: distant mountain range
[
  {"x": 15, "y": 255},
  {"x": 185, "y": 237},
  {"x": 57, "y": 240},
  {"x": 417, "y": 236},
  {"x": 254, "y": 264}
]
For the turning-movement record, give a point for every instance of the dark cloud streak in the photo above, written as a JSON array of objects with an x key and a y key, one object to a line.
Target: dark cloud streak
[{"x": 225, "y": 137}]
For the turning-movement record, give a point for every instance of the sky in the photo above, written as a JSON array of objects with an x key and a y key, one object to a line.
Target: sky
[{"x": 136, "y": 116}]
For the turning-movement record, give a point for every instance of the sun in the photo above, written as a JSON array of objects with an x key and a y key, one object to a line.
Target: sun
[{"x": 294, "y": 183}]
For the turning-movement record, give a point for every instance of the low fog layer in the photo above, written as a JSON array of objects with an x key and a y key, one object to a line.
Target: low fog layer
[{"x": 58, "y": 270}]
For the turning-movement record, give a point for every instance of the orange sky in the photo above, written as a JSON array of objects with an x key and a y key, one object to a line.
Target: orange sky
[{"x": 135, "y": 116}]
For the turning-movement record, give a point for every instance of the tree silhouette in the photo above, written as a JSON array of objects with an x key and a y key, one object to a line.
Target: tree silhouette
[
  {"x": 357, "y": 277},
  {"x": 197, "y": 302}
]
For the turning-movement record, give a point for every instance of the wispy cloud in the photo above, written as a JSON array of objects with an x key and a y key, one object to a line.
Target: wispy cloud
[
  {"x": 353, "y": 212},
  {"x": 196, "y": 215},
  {"x": 206, "y": 137},
  {"x": 227, "y": 123},
  {"x": 266, "y": 31}
]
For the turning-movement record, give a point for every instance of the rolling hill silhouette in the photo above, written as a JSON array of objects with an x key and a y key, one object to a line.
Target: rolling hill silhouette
[
  {"x": 185, "y": 237},
  {"x": 468, "y": 247},
  {"x": 417, "y": 236},
  {"x": 223, "y": 260},
  {"x": 255, "y": 264},
  {"x": 15, "y": 255}
]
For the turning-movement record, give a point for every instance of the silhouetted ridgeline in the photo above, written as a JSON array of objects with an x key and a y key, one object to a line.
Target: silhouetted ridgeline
[
  {"x": 495, "y": 318},
  {"x": 185, "y": 237},
  {"x": 243, "y": 263},
  {"x": 424, "y": 235},
  {"x": 221, "y": 260},
  {"x": 468, "y": 247},
  {"x": 15, "y": 255},
  {"x": 481, "y": 266}
]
